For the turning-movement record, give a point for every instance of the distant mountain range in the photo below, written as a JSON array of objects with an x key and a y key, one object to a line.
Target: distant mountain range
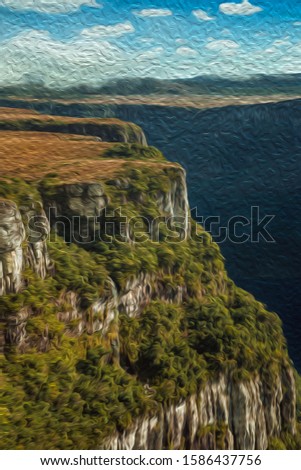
[
  {"x": 201, "y": 85},
  {"x": 204, "y": 85}
]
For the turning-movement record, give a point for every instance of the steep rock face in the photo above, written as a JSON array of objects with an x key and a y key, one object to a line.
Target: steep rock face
[
  {"x": 175, "y": 203},
  {"x": 78, "y": 208},
  {"x": 103, "y": 314},
  {"x": 110, "y": 131},
  {"x": 75, "y": 209},
  {"x": 22, "y": 244},
  {"x": 37, "y": 228},
  {"x": 15, "y": 328},
  {"x": 139, "y": 292},
  {"x": 225, "y": 414},
  {"x": 128, "y": 133},
  {"x": 12, "y": 234}
]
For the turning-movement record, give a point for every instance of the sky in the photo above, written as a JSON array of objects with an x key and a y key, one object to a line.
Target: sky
[{"x": 68, "y": 42}]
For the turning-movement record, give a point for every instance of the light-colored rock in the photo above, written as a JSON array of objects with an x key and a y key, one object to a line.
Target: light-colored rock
[
  {"x": 12, "y": 235},
  {"x": 174, "y": 205},
  {"x": 224, "y": 413},
  {"x": 237, "y": 406}
]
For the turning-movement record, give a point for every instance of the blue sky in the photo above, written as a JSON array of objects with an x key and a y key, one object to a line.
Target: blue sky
[{"x": 72, "y": 41}]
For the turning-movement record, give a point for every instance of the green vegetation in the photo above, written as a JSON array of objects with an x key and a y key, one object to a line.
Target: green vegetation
[
  {"x": 134, "y": 152},
  {"x": 19, "y": 191},
  {"x": 66, "y": 398},
  {"x": 72, "y": 392}
]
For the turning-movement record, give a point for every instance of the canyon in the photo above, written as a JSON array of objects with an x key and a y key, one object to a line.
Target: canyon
[{"x": 222, "y": 380}]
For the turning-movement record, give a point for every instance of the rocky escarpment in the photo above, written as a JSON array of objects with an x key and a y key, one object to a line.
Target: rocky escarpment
[
  {"x": 76, "y": 213},
  {"x": 104, "y": 130},
  {"x": 81, "y": 209},
  {"x": 225, "y": 413},
  {"x": 148, "y": 344},
  {"x": 22, "y": 244},
  {"x": 247, "y": 417},
  {"x": 12, "y": 234}
]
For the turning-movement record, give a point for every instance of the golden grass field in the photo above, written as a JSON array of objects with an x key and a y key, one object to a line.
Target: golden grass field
[
  {"x": 18, "y": 114},
  {"x": 32, "y": 155}
]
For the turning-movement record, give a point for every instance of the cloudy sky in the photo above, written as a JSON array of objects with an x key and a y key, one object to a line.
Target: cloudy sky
[{"x": 70, "y": 41}]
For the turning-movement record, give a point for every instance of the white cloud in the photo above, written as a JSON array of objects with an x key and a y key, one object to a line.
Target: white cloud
[
  {"x": 36, "y": 54},
  {"x": 270, "y": 50},
  {"x": 151, "y": 53},
  {"x": 243, "y": 9},
  {"x": 202, "y": 15},
  {"x": 49, "y": 6},
  {"x": 181, "y": 41},
  {"x": 277, "y": 60},
  {"x": 282, "y": 42},
  {"x": 153, "y": 12},
  {"x": 226, "y": 32},
  {"x": 186, "y": 51},
  {"x": 222, "y": 45},
  {"x": 146, "y": 40},
  {"x": 115, "y": 30},
  {"x": 87, "y": 59}
]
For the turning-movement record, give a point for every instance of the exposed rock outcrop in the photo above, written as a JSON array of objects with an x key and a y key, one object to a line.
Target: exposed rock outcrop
[
  {"x": 75, "y": 210},
  {"x": 225, "y": 414},
  {"x": 12, "y": 235},
  {"x": 174, "y": 203},
  {"x": 37, "y": 229},
  {"x": 105, "y": 130},
  {"x": 78, "y": 210},
  {"x": 23, "y": 235},
  {"x": 22, "y": 243}
]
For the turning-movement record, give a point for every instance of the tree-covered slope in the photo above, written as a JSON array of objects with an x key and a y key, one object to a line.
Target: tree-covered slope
[{"x": 126, "y": 321}]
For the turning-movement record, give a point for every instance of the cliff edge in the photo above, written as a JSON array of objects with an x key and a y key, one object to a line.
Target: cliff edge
[{"x": 119, "y": 326}]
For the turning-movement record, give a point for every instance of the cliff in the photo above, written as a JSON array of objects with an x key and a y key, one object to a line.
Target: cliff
[
  {"x": 223, "y": 415},
  {"x": 108, "y": 130},
  {"x": 119, "y": 326}
]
